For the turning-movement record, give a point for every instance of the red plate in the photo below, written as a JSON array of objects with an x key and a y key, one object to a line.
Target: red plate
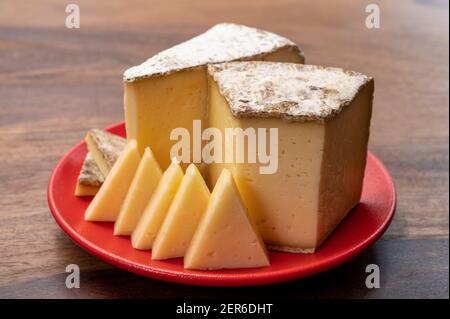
[{"x": 363, "y": 226}]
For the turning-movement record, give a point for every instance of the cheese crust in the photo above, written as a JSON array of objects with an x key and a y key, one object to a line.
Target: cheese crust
[
  {"x": 223, "y": 42},
  {"x": 290, "y": 91},
  {"x": 90, "y": 174}
]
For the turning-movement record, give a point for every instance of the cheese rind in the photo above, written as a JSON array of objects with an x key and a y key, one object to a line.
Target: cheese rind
[
  {"x": 223, "y": 42},
  {"x": 105, "y": 206},
  {"x": 149, "y": 224},
  {"x": 290, "y": 91},
  {"x": 90, "y": 178},
  {"x": 145, "y": 181},
  {"x": 182, "y": 217},
  {"x": 226, "y": 236}
]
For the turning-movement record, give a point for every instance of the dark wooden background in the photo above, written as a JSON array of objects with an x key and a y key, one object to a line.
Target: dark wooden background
[{"x": 56, "y": 83}]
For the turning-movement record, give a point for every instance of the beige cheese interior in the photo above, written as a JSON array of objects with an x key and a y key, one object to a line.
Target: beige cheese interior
[
  {"x": 283, "y": 205},
  {"x": 156, "y": 105}
]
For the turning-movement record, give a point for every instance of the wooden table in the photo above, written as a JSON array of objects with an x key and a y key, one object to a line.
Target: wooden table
[{"x": 56, "y": 83}]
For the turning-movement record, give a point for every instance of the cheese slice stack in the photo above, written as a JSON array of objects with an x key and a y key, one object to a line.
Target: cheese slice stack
[
  {"x": 226, "y": 236},
  {"x": 169, "y": 90},
  {"x": 106, "y": 204},
  {"x": 182, "y": 217},
  {"x": 141, "y": 190},
  {"x": 149, "y": 224}
]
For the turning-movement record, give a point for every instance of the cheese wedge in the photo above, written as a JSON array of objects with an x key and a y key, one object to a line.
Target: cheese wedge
[
  {"x": 141, "y": 189},
  {"x": 105, "y": 148},
  {"x": 105, "y": 206},
  {"x": 169, "y": 90},
  {"x": 226, "y": 237},
  {"x": 108, "y": 147},
  {"x": 90, "y": 178},
  {"x": 182, "y": 217},
  {"x": 322, "y": 117},
  {"x": 148, "y": 226}
]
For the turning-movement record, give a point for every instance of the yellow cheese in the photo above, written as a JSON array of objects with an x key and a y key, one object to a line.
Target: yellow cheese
[
  {"x": 86, "y": 190},
  {"x": 169, "y": 90},
  {"x": 141, "y": 189},
  {"x": 147, "y": 228},
  {"x": 105, "y": 148},
  {"x": 161, "y": 104},
  {"x": 182, "y": 217},
  {"x": 106, "y": 204},
  {"x": 226, "y": 237},
  {"x": 322, "y": 116}
]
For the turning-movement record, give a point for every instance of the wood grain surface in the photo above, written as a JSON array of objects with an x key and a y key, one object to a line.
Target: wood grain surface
[{"x": 56, "y": 83}]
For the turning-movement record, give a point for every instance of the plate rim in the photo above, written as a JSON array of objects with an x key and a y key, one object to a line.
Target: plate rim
[{"x": 202, "y": 278}]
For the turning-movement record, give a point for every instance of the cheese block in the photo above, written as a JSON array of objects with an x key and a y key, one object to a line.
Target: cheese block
[
  {"x": 105, "y": 148},
  {"x": 141, "y": 189},
  {"x": 148, "y": 226},
  {"x": 169, "y": 90},
  {"x": 182, "y": 217},
  {"x": 322, "y": 117},
  {"x": 105, "y": 206},
  {"x": 90, "y": 178},
  {"x": 226, "y": 236}
]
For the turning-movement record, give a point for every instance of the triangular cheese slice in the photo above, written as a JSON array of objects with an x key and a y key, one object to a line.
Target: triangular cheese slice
[
  {"x": 105, "y": 148},
  {"x": 106, "y": 204},
  {"x": 226, "y": 237},
  {"x": 182, "y": 217},
  {"x": 147, "y": 228},
  {"x": 141, "y": 189}
]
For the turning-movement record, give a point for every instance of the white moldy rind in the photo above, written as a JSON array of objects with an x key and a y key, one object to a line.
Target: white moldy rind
[
  {"x": 90, "y": 173},
  {"x": 222, "y": 43},
  {"x": 293, "y": 92}
]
